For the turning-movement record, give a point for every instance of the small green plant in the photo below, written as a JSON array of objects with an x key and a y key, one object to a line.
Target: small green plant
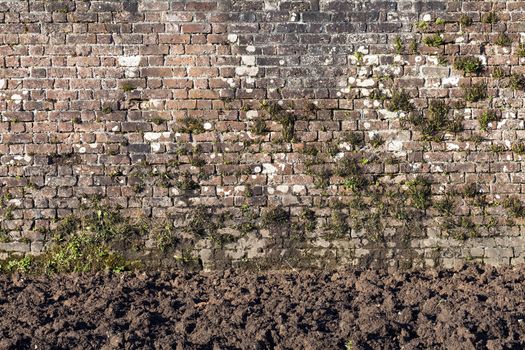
[
  {"x": 191, "y": 125},
  {"x": 398, "y": 45},
  {"x": 503, "y": 40},
  {"x": 419, "y": 192},
  {"x": 434, "y": 40},
  {"x": 107, "y": 109},
  {"x": 517, "y": 81},
  {"x": 490, "y": 18},
  {"x": 286, "y": 119},
  {"x": 514, "y": 206},
  {"x": 376, "y": 140},
  {"x": 468, "y": 64},
  {"x": 465, "y": 20},
  {"x": 445, "y": 205},
  {"x": 435, "y": 121},
  {"x": 356, "y": 139},
  {"x": 359, "y": 56},
  {"x": 337, "y": 225},
  {"x": 158, "y": 120},
  {"x": 471, "y": 190},
  {"x": 198, "y": 222},
  {"x": 128, "y": 87},
  {"x": 4, "y": 236},
  {"x": 308, "y": 219},
  {"x": 259, "y": 127},
  {"x": 276, "y": 217},
  {"x": 19, "y": 265},
  {"x": 442, "y": 60},
  {"x": 518, "y": 148},
  {"x": 498, "y": 73},
  {"x": 440, "y": 21},
  {"x": 413, "y": 46},
  {"x": 520, "y": 51},
  {"x": 487, "y": 117},
  {"x": 422, "y": 25},
  {"x": 475, "y": 92},
  {"x": 400, "y": 101}
]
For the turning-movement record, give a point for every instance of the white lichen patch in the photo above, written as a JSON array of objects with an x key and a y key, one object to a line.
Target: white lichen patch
[
  {"x": 232, "y": 38},
  {"x": 269, "y": 168},
  {"x": 247, "y": 71},
  {"x": 155, "y": 147},
  {"x": 155, "y": 136},
  {"x": 283, "y": 188},
  {"x": 385, "y": 113},
  {"x": 248, "y": 60},
  {"x": 250, "y": 48},
  {"x": 452, "y": 146},
  {"x": 451, "y": 81},
  {"x": 129, "y": 61},
  {"x": 3, "y": 83},
  {"x": 252, "y": 114},
  {"x": 371, "y": 60},
  {"x": 208, "y": 126},
  {"x": 16, "y": 98},
  {"x": 394, "y": 145},
  {"x": 298, "y": 188}
]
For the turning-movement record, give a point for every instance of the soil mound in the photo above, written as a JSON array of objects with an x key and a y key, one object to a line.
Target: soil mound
[{"x": 474, "y": 307}]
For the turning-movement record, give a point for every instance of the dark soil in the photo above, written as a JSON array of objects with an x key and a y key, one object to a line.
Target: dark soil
[{"x": 470, "y": 308}]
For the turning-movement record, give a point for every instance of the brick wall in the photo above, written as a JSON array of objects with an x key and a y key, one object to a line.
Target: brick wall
[{"x": 277, "y": 131}]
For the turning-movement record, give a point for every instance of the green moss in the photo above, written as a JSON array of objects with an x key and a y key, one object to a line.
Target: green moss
[
  {"x": 475, "y": 92},
  {"x": 400, "y": 101},
  {"x": 468, "y": 64},
  {"x": 440, "y": 21},
  {"x": 486, "y": 118},
  {"x": 434, "y": 40}
]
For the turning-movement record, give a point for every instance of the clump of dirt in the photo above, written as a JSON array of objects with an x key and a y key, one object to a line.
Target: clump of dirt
[{"x": 475, "y": 307}]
